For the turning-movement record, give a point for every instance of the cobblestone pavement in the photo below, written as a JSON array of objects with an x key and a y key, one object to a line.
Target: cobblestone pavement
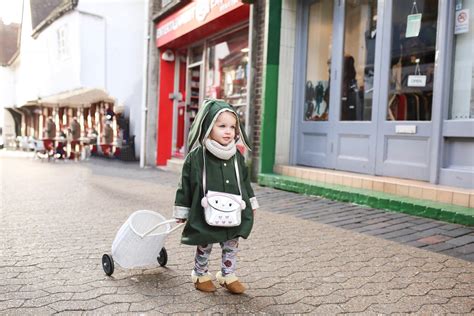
[{"x": 59, "y": 218}]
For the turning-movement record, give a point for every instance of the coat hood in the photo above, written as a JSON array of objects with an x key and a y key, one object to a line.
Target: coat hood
[{"x": 204, "y": 121}]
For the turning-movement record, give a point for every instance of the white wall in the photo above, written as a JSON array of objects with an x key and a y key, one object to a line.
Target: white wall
[
  {"x": 124, "y": 21},
  {"x": 7, "y": 84},
  {"x": 7, "y": 96},
  {"x": 60, "y": 72},
  {"x": 92, "y": 49}
]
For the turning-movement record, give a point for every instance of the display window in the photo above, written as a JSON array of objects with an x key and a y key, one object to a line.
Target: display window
[
  {"x": 318, "y": 63},
  {"x": 462, "y": 97},
  {"x": 227, "y": 70},
  {"x": 413, "y": 49},
  {"x": 359, "y": 56}
]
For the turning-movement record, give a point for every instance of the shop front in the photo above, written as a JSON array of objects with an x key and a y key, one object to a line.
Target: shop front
[
  {"x": 382, "y": 88},
  {"x": 204, "y": 52}
]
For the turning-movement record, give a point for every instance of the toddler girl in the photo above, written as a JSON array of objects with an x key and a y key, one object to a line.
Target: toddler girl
[{"x": 214, "y": 133}]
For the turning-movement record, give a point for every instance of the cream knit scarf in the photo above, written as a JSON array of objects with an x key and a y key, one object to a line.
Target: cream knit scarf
[{"x": 222, "y": 152}]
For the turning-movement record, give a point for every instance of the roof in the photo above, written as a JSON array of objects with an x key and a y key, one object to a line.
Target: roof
[
  {"x": 45, "y": 12},
  {"x": 8, "y": 42},
  {"x": 77, "y": 98}
]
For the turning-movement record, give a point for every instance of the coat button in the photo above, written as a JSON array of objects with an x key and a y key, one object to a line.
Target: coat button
[
  {"x": 226, "y": 181},
  {"x": 225, "y": 165}
]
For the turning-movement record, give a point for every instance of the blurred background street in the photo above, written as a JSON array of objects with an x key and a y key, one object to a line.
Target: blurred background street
[{"x": 59, "y": 218}]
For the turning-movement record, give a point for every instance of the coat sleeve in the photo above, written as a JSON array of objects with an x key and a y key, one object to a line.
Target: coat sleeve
[
  {"x": 246, "y": 182},
  {"x": 183, "y": 200}
]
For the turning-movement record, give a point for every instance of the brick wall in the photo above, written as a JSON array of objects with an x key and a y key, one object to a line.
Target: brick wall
[{"x": 256, "y": 109}]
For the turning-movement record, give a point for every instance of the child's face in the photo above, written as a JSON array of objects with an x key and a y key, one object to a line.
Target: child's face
[{"x": 224, "y": 128}]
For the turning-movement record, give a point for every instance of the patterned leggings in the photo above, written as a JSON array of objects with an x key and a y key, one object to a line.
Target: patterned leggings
[{"x": 229, "y": 260}]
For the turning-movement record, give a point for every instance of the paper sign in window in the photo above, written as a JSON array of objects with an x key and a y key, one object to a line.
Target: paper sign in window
[
  {"x": 413, "y": 25},
  {"x": 416, "y": 81}
]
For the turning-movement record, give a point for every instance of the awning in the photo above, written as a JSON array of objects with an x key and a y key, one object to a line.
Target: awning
[{"x": 82, "y": 97}]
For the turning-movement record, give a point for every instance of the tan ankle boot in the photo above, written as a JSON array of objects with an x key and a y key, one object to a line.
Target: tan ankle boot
[
  {"x": 231, "y": 283},
  {"x": 203, "y": 283}
]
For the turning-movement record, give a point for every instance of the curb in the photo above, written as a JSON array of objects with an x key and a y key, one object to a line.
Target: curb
[{"x": 423, "y": 208}]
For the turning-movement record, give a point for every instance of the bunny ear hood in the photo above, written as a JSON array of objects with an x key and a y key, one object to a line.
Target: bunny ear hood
[{"x": 204, "y": 121}]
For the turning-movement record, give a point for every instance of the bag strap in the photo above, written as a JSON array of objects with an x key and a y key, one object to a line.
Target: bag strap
[{"x": 237, "y": 173}]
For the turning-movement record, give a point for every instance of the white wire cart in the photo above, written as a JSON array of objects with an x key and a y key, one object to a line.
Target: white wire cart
[{"x": 140, "y": 242}]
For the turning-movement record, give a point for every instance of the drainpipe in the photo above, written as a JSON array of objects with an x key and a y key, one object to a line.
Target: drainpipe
[{"x": 146, "y": 37}]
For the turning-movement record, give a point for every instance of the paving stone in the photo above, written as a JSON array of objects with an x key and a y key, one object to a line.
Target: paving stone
[
  {"x": 86, "y": 305},
  {"x": 328, "y": 309},
  {"x": 458, "y": 305},
  {"x": 435, "y": 239},
  {"x": 46, "y": 300},
  {"x": 463, "y": 240},
  {"x": 31, "y": 311},
  {"x": 439, "y": 247},
  {"x": 110, "y": 309},
  {"x": 9, "y": 304},
  {"x": 399, "y": 232},
  {"x": 297, "y": 308},
  {"x": 458, "y": 232},
  {"x": 145, "y": 306},
  {"x": 427, "y": 225}
]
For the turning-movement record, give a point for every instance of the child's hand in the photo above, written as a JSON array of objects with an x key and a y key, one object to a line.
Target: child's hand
[{"x": 180, "y": 220}]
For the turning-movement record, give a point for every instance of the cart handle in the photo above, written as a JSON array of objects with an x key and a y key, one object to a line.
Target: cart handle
[{"x": 160, "y": 224}]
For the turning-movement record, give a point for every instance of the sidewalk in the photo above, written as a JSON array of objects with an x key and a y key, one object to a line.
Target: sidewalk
[
  {"x": 451, "y": 239},
  {"x": 53, "y": 240}
]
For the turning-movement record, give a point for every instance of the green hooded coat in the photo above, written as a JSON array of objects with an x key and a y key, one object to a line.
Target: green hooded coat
[{"x": 220, "y": 175}]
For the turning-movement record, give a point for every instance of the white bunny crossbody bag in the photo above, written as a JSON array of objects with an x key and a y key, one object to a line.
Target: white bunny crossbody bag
[{"x": 222, "y": 209}]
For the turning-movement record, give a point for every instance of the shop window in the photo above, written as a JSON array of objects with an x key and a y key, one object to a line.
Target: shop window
[
  {"x": 462, "y": 98},
  {"x": 318, "y": 63},
  {"x": 196, "y": 54},
  {"x": 62, "y": 40},
  {"x": 358, "y": 66},
  {"x": 227, "y": 71},
  {"x": 414, "y": 26}
]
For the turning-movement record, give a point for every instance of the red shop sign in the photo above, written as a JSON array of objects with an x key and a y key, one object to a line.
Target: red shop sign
[{"x": 192, "y": 16}]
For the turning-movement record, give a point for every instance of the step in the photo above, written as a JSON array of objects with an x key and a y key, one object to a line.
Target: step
[
  {"x": 370, "y": 197},
  {"x": 174, "y": 165}
]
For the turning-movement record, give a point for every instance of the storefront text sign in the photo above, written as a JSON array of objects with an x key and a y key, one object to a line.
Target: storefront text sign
[
  {"x": 416, "y": 81},
  {"x": 192, "y": 16},
  {"x": 461, "y": 21}
]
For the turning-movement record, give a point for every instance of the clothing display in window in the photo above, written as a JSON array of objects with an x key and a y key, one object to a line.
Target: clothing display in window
[
  {"x": 410, "y": 107},
  {"x": 352, "y": 99},
  {"x": 316, "y": 107}
]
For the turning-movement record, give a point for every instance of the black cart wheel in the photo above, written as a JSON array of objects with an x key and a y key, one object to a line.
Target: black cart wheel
[
  {"x": 108, "y": 264},
  {"x": 163, "y": 258}
]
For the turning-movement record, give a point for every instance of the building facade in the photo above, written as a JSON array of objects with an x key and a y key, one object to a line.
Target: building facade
[
  {"x": 77, "y": 59},
  {"x": 205, "y": 50},
  {"x": 376, "y": 88}
]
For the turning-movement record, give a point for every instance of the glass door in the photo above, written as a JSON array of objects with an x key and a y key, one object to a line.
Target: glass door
[
  {"x": 312, "y": 115},
  {"x": 194, "y": 84},
  {"x": 334, "y": 119},
  {"x": 405, "y": 132},
  {"x": 354, "y": 138}
]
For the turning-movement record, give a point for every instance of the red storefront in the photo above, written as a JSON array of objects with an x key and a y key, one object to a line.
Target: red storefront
[{"x": 204, "y": 52}]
